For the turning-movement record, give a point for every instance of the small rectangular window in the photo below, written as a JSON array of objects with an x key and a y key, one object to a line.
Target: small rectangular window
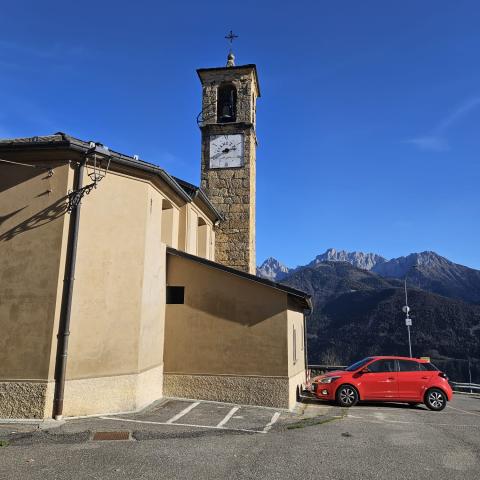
[
  {"x": 294, "y": 345},
  {"x": 175, "y": 295},
  {"x": 302, "y": 344}
]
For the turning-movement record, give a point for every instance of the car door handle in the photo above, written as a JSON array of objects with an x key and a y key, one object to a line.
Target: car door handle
[
  {"x": 424, "y": 378},
  {"x": 390, "y": 378}
]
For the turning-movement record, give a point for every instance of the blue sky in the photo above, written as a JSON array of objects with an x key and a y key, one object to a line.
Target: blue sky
[{"x": 369, "y": 121}]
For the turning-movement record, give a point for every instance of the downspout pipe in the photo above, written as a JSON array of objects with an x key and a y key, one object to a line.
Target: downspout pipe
[
  {"x": 69, "y": 279},
  {"x": 306, "y": 314}
]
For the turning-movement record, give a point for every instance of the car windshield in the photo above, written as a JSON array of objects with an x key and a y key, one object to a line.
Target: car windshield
[{"x": 358, "y": 364}]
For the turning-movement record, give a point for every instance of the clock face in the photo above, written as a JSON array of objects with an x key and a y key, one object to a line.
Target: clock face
[{"x": 226, "y": 151}]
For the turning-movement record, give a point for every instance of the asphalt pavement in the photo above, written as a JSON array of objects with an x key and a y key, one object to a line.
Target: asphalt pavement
[{"x": 209, "y": 440}]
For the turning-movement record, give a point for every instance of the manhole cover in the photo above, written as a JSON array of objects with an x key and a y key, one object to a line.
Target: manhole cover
[{"x": 111, "y": 436}]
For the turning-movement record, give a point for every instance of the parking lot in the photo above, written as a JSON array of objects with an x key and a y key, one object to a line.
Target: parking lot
[
  {"x": 187, "y": 438},
  {"x": 191, "y": 414}
]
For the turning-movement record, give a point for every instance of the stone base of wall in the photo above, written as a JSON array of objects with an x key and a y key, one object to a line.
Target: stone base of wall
[
  {"x": 121, "y": 393},
  {"x": 295, "y": 384},
  {"x": 22, "y": 399},
  {"x": 244, "y": 390},
  {"x": 88, "y": 396}
]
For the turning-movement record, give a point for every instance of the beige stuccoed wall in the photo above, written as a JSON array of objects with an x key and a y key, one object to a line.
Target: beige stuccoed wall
[
  {"x": 182, "y": 228},
  {"x": 170, "y": 225},
  {"x": 32, "y": 249},
  {"x": 192, "y": 225},
  {"x": 296, "y": 367},
  {"x": 229, "y": 341},
  {"x": 212, "y": 245},
  {"x": 188, "y": 231},
  {"x": 115, "y": 358}
]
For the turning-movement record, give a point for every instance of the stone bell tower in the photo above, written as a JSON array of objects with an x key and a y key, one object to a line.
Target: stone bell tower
[{"x": 229, "y": 142}]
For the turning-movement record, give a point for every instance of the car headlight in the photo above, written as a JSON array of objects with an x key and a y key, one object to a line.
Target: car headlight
[{"x": 328, "y": 379}]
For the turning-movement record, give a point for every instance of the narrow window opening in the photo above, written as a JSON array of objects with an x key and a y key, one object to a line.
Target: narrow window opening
[
  {"x": 302, "y": 344},
  {"x": 175, "y": 295},
  {"x": 294, "y": 345}
]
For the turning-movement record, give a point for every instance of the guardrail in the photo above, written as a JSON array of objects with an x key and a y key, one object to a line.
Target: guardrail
[
  {"x": 314, "y": 370},
  {"x": 328, "y": 368},
  {"x": 467, "y": 386}
]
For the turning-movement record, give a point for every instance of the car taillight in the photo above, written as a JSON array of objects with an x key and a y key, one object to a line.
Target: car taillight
[{"x": 443, "y": 375}]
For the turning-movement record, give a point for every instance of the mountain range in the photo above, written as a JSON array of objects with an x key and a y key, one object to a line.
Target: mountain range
[
  {"x": 358, "y": 299},
  {"x": 426, "y": 270}
]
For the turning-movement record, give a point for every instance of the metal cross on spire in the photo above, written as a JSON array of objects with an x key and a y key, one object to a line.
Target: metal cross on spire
[
  {"x": 231, "y": 57},
  {"x": 231, "y": 37}
]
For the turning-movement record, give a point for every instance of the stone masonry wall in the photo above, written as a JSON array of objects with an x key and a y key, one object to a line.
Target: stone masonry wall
[
  {"x": 22, "y": 399},
  {"x": 232, "y": 190}
]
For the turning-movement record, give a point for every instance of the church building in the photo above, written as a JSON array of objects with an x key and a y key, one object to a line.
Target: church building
[{"x": 121, "y": 284}]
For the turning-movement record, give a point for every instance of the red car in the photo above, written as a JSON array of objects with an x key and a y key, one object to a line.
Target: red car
[{"x": 386, "y": 379}]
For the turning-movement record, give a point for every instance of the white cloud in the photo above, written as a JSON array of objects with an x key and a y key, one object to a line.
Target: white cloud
[
  {"x": 436, "y": 141},
  {"x": 462, "y": 111},
  {"x": 430, "y": 143}
]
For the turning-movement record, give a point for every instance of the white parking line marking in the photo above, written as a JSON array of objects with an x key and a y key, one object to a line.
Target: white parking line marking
[
  {"x": 182, "y": 413},
  {"x": 377, "y": 420},
  {"x": 228, "y": 416},
  {"x": 183, "y": 425},
  {"x": 464, "y": 411},
  {"x": 269, "y": 425}
]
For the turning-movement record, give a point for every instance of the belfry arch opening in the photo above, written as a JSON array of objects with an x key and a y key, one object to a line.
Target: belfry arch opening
[{"x": 227, "y": 103}]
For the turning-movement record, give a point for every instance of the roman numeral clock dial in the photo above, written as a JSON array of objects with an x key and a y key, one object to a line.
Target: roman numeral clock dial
[{"x": 226, "y": 151}]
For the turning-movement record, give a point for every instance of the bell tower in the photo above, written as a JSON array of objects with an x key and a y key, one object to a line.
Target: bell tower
[{"x": 229, "y": 142}]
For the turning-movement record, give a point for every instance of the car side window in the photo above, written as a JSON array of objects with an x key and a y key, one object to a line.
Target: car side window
[
  {"x": 408, "y": 366},
  {"x": 382, "y": 366},
  {"x": 427, "y": 366}
]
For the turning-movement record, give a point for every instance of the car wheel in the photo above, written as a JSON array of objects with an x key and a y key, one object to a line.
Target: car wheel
[
  {"x": 435, "y": 399},
  {"x": 347, "y": 396}
]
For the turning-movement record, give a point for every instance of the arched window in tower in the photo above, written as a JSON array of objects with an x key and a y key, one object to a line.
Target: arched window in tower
[
  {"x": 226, "y": 103},
  {"x": 203, "y": 238}
]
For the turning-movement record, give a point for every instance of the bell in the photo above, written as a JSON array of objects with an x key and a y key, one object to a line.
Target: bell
[{"x": 227, "y": 111}]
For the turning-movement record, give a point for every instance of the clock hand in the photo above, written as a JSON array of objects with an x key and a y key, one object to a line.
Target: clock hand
[{"x": 219, "y": 154}]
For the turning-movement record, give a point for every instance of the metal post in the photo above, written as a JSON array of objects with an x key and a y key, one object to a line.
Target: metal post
[
  {"x": 408, "y": 320},
  {"x": 470, "y": 376},
  {"x": 409, "y": 342}
]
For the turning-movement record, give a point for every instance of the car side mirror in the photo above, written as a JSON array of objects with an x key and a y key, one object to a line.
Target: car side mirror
[{"x": 364, "y": 370}]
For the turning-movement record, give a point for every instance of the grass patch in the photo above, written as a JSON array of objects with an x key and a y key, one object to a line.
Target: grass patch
[
  {"x": 309, "y": 422},
  {"x": 4, "y": 443}
]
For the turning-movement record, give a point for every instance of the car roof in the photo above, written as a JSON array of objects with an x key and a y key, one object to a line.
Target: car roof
[{"x": 395, "y": 357}]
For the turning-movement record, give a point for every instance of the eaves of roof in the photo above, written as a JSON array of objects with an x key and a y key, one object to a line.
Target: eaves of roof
[
  {"x": 235, "y": 67},
  {"x": 304, "y": 299},
  {"x": 195, "y": 192},
  {"x": 62, "y": 140}
]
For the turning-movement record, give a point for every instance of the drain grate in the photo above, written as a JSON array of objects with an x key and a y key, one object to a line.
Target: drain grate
[{"x": 111, "y": 436}]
